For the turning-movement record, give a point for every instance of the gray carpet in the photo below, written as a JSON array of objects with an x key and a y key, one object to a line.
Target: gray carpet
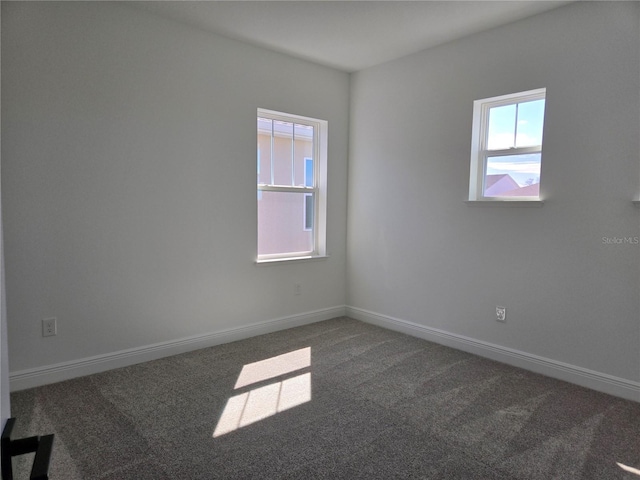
[{"x": 373, "y": 404}]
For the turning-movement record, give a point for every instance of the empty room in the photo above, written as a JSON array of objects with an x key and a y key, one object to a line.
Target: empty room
[{"x": 320, "y": 240}]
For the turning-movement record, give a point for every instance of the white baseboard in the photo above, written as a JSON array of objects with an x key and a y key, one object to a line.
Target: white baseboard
[
  {"x": 602, "y": 382},
  {"x": 35, "y": 377}
]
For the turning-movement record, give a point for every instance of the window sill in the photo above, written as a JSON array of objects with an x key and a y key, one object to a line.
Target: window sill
[
  {"x": 636, "y": 203},
  {"x": 280, "y": 261},
  {"x": 505, "y": 203}
]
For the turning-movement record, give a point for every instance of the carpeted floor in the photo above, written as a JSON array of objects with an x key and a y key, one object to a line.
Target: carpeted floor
[{"x": 338, "y": 399}]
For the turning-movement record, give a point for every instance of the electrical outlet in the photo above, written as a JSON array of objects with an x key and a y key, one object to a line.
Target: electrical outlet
[
  {"x": 501, "y": 314},
  {"x": 49, "y": 327},
  {"x": 297, "y": 289}
]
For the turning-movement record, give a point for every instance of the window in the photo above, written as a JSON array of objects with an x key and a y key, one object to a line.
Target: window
[
  {"x": 506, "y": 149},
  {"x": 291, "y": 186}
]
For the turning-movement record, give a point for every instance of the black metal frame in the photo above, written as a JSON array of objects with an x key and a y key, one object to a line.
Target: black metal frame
[{"x": 43, "y": 447}]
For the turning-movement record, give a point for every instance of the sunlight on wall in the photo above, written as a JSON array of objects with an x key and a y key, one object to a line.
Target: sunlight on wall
[{"x": 262, "y": 402}]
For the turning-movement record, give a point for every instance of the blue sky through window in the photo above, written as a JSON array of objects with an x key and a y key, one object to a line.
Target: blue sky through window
[
  {"x": 516, "y": 125},
  {"x": 308, "y": 172}
]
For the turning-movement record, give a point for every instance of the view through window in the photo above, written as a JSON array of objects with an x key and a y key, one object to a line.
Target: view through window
[
  {"x": 290, "y": 193},
  {"x": 507, "y": 149}
]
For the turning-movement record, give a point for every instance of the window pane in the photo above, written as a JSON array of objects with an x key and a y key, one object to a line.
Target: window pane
[
  {"x": 283, "y": 153},
  {"x": 308, "y": 172},
  {"x": 502, "y": 127},
  {"x": 303, "y": 154},
  {"x": 264, "y": 150},
  {"x": 530, "y": 121},
  {"x": 304, "y": 133},
  {"x": 282, "y": 218},
  {"x": 513, "y": 176},
  {"x": 292, "y": 148},
  {"x": 308, "y": 211}
]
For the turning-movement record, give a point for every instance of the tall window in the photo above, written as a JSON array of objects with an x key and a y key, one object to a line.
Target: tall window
[
  {"x": 506, "y": 150},
  {"x": 291, "y": 186}
]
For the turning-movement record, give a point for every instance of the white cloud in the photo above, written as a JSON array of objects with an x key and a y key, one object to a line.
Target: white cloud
[
  {"x": 515, "y": 167},
  {"x": 503, "y": 141}
]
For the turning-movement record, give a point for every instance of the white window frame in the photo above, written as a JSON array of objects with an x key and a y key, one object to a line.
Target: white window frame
[
  {"x": 318, "y": 190},
  {"x": 480, "y": 153}
]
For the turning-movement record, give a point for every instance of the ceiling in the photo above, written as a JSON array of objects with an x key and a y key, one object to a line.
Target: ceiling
[{"x": 347, "y": 35}]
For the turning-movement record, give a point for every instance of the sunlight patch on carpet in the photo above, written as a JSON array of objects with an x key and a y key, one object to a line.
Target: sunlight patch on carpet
[
  {"x": 629, "y": 469},
  {"x": 265, "y": 401},
  {"x": 274, "y": 367}
]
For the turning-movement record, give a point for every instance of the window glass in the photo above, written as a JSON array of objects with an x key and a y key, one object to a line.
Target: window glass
[
  {"x": 512, "y": 175},
  {"x": 530, "y": 122},
  {"x": 283, "y": 153},
  {"x": 502, "y": 126},
  {"x": 308, "y": 211},
  {"x": 291, "y": 171},
  {"x": 308, "y": 172},
  {"x": 506, "y": 151},
  {"x": 281, "y": 223}
]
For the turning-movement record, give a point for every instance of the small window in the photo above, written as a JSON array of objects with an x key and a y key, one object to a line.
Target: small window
[
  {"x": 291, "y": 186},
  {"x": 506, "y": 150}
]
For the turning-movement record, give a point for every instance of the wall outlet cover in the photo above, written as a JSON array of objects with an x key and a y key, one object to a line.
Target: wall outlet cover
[{"x": 49, "y": 327}]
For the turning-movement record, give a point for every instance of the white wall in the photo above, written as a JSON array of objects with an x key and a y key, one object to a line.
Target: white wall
[
  {"x": 128, "y": 183},
  {"x": 5, "y": 401},
  {"x": 128, "y": 188},
  {"x": 418, "y": 254}
]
